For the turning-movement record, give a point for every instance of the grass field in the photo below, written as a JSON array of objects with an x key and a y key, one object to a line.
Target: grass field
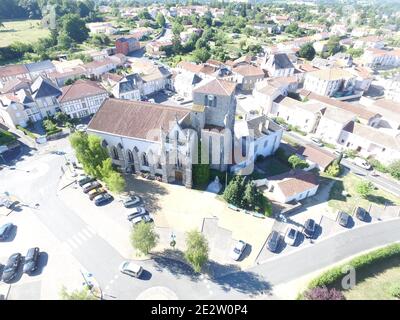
[
  {"x": 27, "y": 31},
  {"x": 378, "y": 284},
  {"x": 348, "y": 183}
]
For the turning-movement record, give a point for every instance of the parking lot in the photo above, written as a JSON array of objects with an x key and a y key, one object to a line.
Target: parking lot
[{"x": 50, "y": 276}]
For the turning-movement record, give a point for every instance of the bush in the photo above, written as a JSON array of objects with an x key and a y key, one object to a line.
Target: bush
[
  {"x": 27, "y": 132},
  {"x": 395, "y": 290},
  {"x": 333, "y": 170},
  {"x": 335, "y": 274},
  {"x": 378, "y": 165},
  {"x": 364, "y": 188},
  {"x": 323, "y": 293}
]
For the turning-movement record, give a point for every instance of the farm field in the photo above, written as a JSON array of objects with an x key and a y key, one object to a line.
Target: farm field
[{"x": 27, "y": 31}]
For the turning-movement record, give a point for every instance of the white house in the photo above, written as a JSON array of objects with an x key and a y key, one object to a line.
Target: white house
[
  {"x": 303, "y": 115},
  {"x": 81, "y": 99},
  {"x": 255, "y": 136},
  {"x": 278, "y": 65},
  {"x": 372, "y": 142},
  {"x": 127, "y": 88},
  {"x": 294, "y": 185},
  {"x": 328, "y": 82},
  {"x": 184, "y": 83}
]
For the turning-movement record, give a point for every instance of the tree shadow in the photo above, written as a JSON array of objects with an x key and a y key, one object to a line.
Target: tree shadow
[
  {"x": 174, "y": 262},
  {"x": 242, "y": 281},
  {"x": 379, "y": 200},
  {"x": 149, "y": 191}
]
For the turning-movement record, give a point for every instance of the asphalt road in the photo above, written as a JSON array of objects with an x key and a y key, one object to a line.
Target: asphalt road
[
  {"x": 379, "y": 180},
  {"x": 328, "y": 251},
  {"x": 35, "y": 180}
]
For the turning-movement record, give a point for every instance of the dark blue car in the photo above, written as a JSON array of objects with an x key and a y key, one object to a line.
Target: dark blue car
[
  {"x": 102, "y": 199},
  {"x": 5, "y": 231}
]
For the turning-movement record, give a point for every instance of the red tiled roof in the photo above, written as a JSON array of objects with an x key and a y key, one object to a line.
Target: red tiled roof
[
  {"x": 80, "y": 89},
  {"x": 217, "y": 87},
  {"x": 136, "y": 119}
]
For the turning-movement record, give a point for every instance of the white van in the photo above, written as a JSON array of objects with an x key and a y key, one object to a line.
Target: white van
[{"x": 362, "y": 163}]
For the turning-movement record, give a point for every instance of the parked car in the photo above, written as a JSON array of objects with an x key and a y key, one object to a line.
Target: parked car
[
  {"x": 339, "y": 153},
  {"x": 237, "y": 250},
  {"x": 362, "y": 163},
  {"x": 85, "y": 180},
  {"x": 285, "y": 127},
  {"x": 152, "y": 100},
  {"x": 309, "y": 228},
  {"x": 11, "y": 268},
  {"x": 343, "y": 218},
  {"x": 103, "y": 198},
  {"x": 241, "y": 96},
  {"x": 361, "y": 214},
  {"x": 31, "y": 260},
  {"x": 91, "y": 186},
  {"x": 81, "y": 127},
  {"x": 131, "y": 269},
  {"x": 132, "y": 216},
  {"x": 291, "y": 236},
  {"x": 7, "y": 203},
  {"x": 95, "y": 192},
  {"x": 130, "y": 202},
  {"x": 143, "y": 217},
  {"x": 5, "y": 231},
  {"x": 179, "y": 99},
  {"x": 273, "y": 240},
  {"x": 317, "y": 142}
]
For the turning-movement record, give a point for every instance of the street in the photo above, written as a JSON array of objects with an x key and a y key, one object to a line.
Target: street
[
  {"x": 380, "y": 180},
  {"x": 72, "y": 244}
]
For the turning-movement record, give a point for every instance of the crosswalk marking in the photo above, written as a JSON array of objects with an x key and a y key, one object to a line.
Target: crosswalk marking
[
  {"x": 82, "y": 236},
  {"x": 75, "y": 238},
  {"x": 90, "y": 229},
  {"x": 87, "y": 233},
  {"x": 72, "y": 243}
]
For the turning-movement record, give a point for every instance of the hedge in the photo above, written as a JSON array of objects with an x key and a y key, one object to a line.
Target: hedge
[
  {"x": 335, "y": 274},
  {"x": 27, "y": 132}
]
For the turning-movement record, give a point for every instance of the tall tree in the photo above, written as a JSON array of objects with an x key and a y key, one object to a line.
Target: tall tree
[
  {"x": 196, "y": 249},
  {"x": 143, "y": 237},
  {"x": 160, "y": 19},
  {"x": 75, "y": 27},
  {"x": 297, "y": 163},
  {"x": 307, "y": 51}
]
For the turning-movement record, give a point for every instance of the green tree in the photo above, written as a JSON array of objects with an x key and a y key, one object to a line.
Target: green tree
[
  {"x": 84, "y": 294},
  {"x": 333, "y": 46},
  {"x": 254, "y": 198},
  {"x": 89, "y": 152},
  {"x": 115, "y": 182},
  {"x": 201, "y": 55},
  {"x": 143, "y": 237},
  {"x": 394, "y": 169},
  {"x": 61, "y": 117},
  {"x": 355, "y": 53},
  {"x": 196, "y": 250},
  {"x": 333, "y": 170},
  {"x": 233, "y": 193},
  {"x": 297, "y": 163},
  {"x": 292, "y": 28},
  {"x": 65, "y": 41},
  {"x": 364, "y": 188},
  {"x": 307, "y": 51},
  {"x": 75, "y": 27},
  {"x": 177, "y": 28},
  {"x": 49, "y": 125},
  {"x": 201, "y": 171},
  {"x": 160, "y": 19}
]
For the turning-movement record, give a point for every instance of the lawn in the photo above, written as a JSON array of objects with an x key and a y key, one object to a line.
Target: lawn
[
  {"x": 348, "y": 182},
  {"x": 6, "y": 137},
  {"x": 378, "y": 284},
  {"x": 272, "y": 166},
  {"x": 27, "y": 31}
]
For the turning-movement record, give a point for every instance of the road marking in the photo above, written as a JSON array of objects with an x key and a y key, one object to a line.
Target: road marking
[
  {"x": 82, "y": 236},
  {"x": 75, "y": 238},
  {"x": 90, "y": 229},
  {"x": 87, "y": 233},
  {"x": 72, "y": 243}
]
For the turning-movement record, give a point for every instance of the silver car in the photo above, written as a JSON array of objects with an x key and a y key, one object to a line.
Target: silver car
[
  {"x": 130, "y": 202},
  {"x": 237, "y": 250}
]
